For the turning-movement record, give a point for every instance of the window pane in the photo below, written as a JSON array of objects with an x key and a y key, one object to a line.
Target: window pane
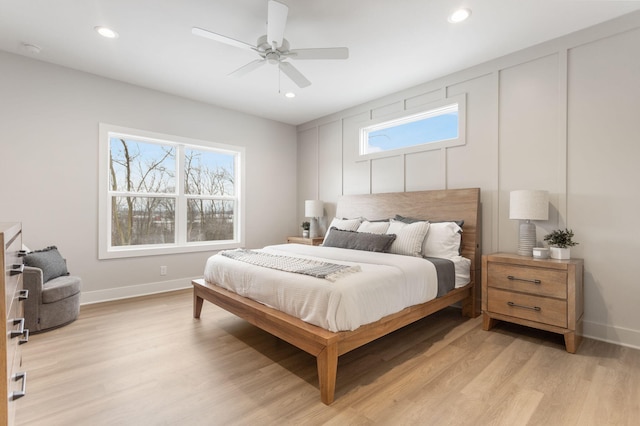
[
  {"x": 210, "y": 220},
  {"x": 141, "y": 167},
  {"x": 142, "y": 220},
  {"x": 436, "y": 125},
  {"x": 209, "y": 173}
]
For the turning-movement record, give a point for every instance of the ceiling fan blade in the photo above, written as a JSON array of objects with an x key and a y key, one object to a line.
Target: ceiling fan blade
[
  {"x": 295, "y": 75},
  {"x": 222, "y": 39},
  {"x": 319, "y": 53},
  {"x": 276, "y": 21},
  {"x": 248, "y": 67}
]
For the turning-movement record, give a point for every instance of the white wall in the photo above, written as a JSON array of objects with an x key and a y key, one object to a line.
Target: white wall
[
  {"x": 49, "y": 119},
  {"x": 561, "y": 116}
]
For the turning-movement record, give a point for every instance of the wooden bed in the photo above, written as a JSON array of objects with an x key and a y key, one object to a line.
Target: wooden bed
[{"x": 327, "y": 346}]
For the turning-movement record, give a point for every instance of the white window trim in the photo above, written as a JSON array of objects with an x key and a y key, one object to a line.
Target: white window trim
[
  {"x": 406, "y": 115},
  {"x": 105, "y": 251}
]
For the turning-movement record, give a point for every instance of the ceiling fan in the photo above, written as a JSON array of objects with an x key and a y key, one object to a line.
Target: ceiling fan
[{"x": 273, "y": 48}]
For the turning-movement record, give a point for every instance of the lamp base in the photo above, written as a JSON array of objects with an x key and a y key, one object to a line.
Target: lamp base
[
  {"x": 527, "y": 240},
  {"x": 313, "y": 229}
]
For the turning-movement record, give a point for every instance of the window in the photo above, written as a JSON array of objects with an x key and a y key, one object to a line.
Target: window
[
  {"x": 163, "y": 194},
  {"x": 440, "y": 125}
]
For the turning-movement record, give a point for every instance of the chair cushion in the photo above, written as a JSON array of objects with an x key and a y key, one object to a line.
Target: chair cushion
[
  {"x": 49, "y": 260},
  {"x": 61, "y": 288}
]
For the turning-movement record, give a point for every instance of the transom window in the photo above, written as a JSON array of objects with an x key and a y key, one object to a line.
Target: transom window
[
  {"x": 442, "y": 124},
  {"x": 164, "y": 194}
]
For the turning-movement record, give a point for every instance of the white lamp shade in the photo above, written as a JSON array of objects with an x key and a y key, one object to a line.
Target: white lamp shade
[
  {"x": 313, "y": 208},
  {"x": 527, "y": 204}
]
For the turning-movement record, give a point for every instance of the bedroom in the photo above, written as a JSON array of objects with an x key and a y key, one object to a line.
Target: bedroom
[{"x": 515, "y": 141}]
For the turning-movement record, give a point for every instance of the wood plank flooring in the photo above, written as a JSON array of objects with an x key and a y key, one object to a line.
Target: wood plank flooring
[{"x": 146, "y": 361}]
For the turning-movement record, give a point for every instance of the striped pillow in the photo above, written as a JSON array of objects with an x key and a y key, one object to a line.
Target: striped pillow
[
  {"x": 409, "y": 237},
  {"x": 374, "y": 227},
  {"x": 343, "y": 224}
]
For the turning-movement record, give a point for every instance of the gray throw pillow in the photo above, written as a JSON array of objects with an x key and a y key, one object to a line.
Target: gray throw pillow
[
  {"x": 49, "y": 260},
  {"x": 359, "y": 240}
]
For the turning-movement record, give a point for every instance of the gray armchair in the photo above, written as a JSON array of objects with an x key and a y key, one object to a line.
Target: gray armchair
[{"x": 50, "y": 304}]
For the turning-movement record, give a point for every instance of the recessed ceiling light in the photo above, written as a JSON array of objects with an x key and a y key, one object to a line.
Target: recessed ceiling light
[
  {"x": 290, "y": 95},
  {"x": 459, "y": 15},
  {"x": 106, "y": 32}
]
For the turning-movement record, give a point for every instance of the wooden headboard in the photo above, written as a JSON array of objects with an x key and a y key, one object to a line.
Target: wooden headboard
[{"x": 447, "y": 204}]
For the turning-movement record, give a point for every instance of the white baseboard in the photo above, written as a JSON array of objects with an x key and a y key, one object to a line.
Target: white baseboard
[
  {"x": 616, "y": 335},
  {"x": 89, "y": 297}
]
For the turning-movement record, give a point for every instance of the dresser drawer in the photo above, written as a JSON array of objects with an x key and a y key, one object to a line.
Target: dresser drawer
[
  {"x": 12, "y": 278},
  {"x": 538, "y": 281},
  {"x": 533, "y": 308}
]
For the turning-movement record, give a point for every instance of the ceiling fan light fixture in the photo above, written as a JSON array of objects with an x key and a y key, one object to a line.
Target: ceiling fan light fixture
[
  {"x": 106, "y": 32},
  {"x": 290, "y": 95},
  {"x": 459, "y": 15},
  {"x": 273, "y": 48}
]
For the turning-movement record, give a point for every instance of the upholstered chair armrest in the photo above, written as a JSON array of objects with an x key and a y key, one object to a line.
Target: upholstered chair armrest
[{"x": 32, "y": 281}]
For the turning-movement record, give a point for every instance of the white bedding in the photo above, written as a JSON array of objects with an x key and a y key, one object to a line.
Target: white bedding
[{"x": 387, "y": 284}]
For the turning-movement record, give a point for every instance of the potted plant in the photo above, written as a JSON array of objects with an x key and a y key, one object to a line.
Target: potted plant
[
  {"x": 305, "y": 229},
  {"x": 560, "y": 243}
]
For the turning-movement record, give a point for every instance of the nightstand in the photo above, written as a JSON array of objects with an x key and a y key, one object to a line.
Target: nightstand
[
  {"x": 315, "y": 241},
  {"x": 542, "y": 293}
]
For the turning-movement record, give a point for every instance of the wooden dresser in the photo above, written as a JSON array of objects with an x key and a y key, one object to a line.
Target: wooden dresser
[
  {"x": 542, "y": 293},
  {"x": 12, "y": 311}
]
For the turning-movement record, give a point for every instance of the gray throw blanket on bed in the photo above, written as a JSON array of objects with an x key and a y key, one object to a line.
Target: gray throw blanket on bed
[
  {"x": 446, "y": 274},
  {"x": 314, "y": 268}
]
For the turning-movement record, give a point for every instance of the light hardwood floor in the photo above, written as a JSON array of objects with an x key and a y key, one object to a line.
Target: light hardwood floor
[{"x": 146, "y": 361}]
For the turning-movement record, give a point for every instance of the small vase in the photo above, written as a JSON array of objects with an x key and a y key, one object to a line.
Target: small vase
[
  {"x": 305, "y": 233},
  {"x": 560, "y": 253}
]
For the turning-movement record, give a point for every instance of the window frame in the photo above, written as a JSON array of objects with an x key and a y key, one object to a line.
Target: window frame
[
  {"x": 410, "y": 115},
  {"x": 107, "y": 251}
]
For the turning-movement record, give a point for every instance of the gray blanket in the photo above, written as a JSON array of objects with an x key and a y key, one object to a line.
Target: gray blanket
[
  {"x": 314, "y": 268},
  {"x": 446, "y": 274}
]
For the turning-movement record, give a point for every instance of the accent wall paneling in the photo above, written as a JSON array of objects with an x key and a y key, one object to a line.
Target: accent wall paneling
[
  {"x": 387, "y": 174},
  {"x": 559, "y": 116},
  {"x": 603, "y": 175},
  {"x": 330, "y": 167},
  {"x": 424, "y": 170}
]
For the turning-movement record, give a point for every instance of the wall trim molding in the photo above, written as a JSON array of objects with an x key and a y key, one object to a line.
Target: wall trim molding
[
  {"x": 118, "y": 293},
  {"x": 612, "y": 334}
]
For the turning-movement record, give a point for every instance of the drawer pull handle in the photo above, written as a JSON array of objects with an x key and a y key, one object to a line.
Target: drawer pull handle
[
  {"x": 22, "y": 253},
  {"x": 23, "y": 389},
  {"x": 512, "y": 278},
  {"x": 20, "y": 331},
  {"x": 23, "y": 295},
  {"x": 17, "y": 269},
  {"x": 25, "y": 338},
  {"x": 533, "y": 308}
]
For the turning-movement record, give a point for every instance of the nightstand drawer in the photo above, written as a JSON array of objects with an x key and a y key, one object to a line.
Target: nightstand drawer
[
  {"x": 534, "y": 308},
  {"x": 538, "y": 281}
]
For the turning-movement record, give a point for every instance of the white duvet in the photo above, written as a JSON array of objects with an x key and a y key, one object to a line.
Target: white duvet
[{"x": 386, "y": 284}]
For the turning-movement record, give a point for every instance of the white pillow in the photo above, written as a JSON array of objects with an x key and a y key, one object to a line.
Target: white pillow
[
  {"x": 443, "y": 240},
  {"x": 409, "y": 237},
  {"x": 344, "y": 224},
  {"x": 374, "y": 227}
]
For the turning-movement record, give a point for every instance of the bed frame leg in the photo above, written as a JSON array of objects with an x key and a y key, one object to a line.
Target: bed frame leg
[
  {"x": 469, "y": 306},
  {"x": 197, "y": 304},
  {"x": 327, "y": 361}
]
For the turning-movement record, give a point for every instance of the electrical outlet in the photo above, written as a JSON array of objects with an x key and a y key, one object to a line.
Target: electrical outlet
[{"x": 163, "y": 270}]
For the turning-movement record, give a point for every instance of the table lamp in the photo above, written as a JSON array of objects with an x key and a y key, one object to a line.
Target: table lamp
[
  {"x": 313, "y": 209},
  {"x": 528, "y": 205}
]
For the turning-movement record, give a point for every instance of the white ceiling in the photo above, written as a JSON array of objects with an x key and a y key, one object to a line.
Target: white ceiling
[{"x": 393, "y": 45}]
